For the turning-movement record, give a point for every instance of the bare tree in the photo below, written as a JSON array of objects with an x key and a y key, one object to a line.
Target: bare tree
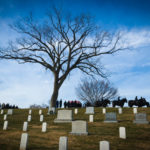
[
  {"x": 61, "y": 44},
  {"x": 95, "y": 90}
]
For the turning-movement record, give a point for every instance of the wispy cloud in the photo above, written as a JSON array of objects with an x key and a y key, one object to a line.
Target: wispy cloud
[{"x": 136, "y": 38}]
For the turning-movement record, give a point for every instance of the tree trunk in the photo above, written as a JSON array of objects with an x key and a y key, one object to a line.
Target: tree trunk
[
  {"x": 54, "y": 95},
  {"x": 55, "y": 92},
  {"x": 56, "y": 89}
]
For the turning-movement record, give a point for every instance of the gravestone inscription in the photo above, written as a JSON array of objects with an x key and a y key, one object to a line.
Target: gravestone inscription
[
  {"x": 24, "y": 141},
  {"x": 140, "y": 118},
  {"x": 110, "y": 118},
  {"x": 44, "y": 127},
  {"x": 63, "y": 143},
  {"x": 89, "y": 110},
  {"x": 79, "y": 127},
  {"x": 104, "y": 145},
  {"x": 64, "y": 116}
]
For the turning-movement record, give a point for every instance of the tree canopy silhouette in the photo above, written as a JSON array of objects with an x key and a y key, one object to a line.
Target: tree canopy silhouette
[
  {"x": 92, "y": 91},
  {"x": 62, "y": 44}
]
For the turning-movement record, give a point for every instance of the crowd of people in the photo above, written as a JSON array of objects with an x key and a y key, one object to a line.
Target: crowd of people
[
  {"x": 72, "y": 104},
  {"x": 68, "y": 104}
]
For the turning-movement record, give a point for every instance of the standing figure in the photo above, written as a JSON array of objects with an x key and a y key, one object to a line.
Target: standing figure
[{"x": 60, "y": 103}]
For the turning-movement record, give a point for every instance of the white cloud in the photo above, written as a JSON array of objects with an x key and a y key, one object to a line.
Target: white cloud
[{"x": 136, "y": 37}]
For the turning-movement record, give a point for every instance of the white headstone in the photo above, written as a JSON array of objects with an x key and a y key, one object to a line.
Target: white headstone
[
  {"x": 104, "y": 110},
  {"x": 40, "y": 112},
  {"x": 122, "y": 132},
  {"x": 5, "y": 125},
  {"x": 5, "y": 117},
  {"x": 120, "y": 110},
  {"x": 89, "y": 110},
  {"x": 91, "y": 118},
  {"x": 41, "y": 118},
  {"x": 24, "y": 141},
  {"x": 76, "y": 111},
  {"x": 30, "y": 112},
  {"x": 135, "y": 110},
  {"x": 104, "y": 145},
  {"x": 63, "y": 143},
  {"x": 64, "y": 116},
  {"x": 10, "y": 112},
  {"x": 25, "y": 126},
  {"x": 2, "y": 111},
  {"x": 79, "y": 127},
  {"x": 44, "y": 127},
  {"x": 29, "y": 118}
]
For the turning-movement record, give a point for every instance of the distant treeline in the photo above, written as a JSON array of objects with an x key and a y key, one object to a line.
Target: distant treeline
[{"x": 8, "y": 106}]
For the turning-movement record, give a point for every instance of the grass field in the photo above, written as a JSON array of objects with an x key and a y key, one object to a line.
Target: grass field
[{"x": 138, "y": 136}]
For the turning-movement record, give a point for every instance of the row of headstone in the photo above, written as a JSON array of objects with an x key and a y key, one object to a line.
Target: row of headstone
[
  {"x": 9, "y": 112},
  {"x": 30, "y": 117},
  {"x": 24, "y": 136},
  {"x": 111, "y": 117},
  {"x": 63, "y": 144},
  {"x": 90, "y": 110},
  {"x": 44, "y": 126},
  {"x": 119, "y": 110}
]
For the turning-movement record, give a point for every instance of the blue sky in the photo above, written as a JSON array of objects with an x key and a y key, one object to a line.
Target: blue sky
[{"x": 130, "y": 70}]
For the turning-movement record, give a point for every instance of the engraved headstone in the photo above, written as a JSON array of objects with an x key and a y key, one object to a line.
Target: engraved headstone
[
  {"x": 79, "y": 127},
  {"x": 64, "y": 116},
  {"x": 29, "y": 118},
  {"x": 104, "y": 110},
  {"x": 5, "y": 125},
  {"x": 135, "y": 110},
  {"x": 120, "y": 110},
  {"x": 30, "y": 112},
  {"x": 5, "y": 117},
  {"x": 40, "y": 112},
  {"x": 89, "y": 110},
  {"x": 25, "y": 126},
  {"x": 104, "y": 145},
  {"x": 140, "y": 118},
  {"x": 76, "y": 111},
  {"x": 10, "y": 112},
  {"x": 41, "y": 118},
  {"x": 122, "y": 132},
  {"x": 63, "y": 143},
  {"x": 24, "y": 141},
  {"x": 91, "y": 118},
  {"x": 110, "y": 118},
  {"x": 44, "y": 127}
]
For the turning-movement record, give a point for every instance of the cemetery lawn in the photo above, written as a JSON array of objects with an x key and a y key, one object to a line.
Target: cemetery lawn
[{"x": 138, "y": 136}]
